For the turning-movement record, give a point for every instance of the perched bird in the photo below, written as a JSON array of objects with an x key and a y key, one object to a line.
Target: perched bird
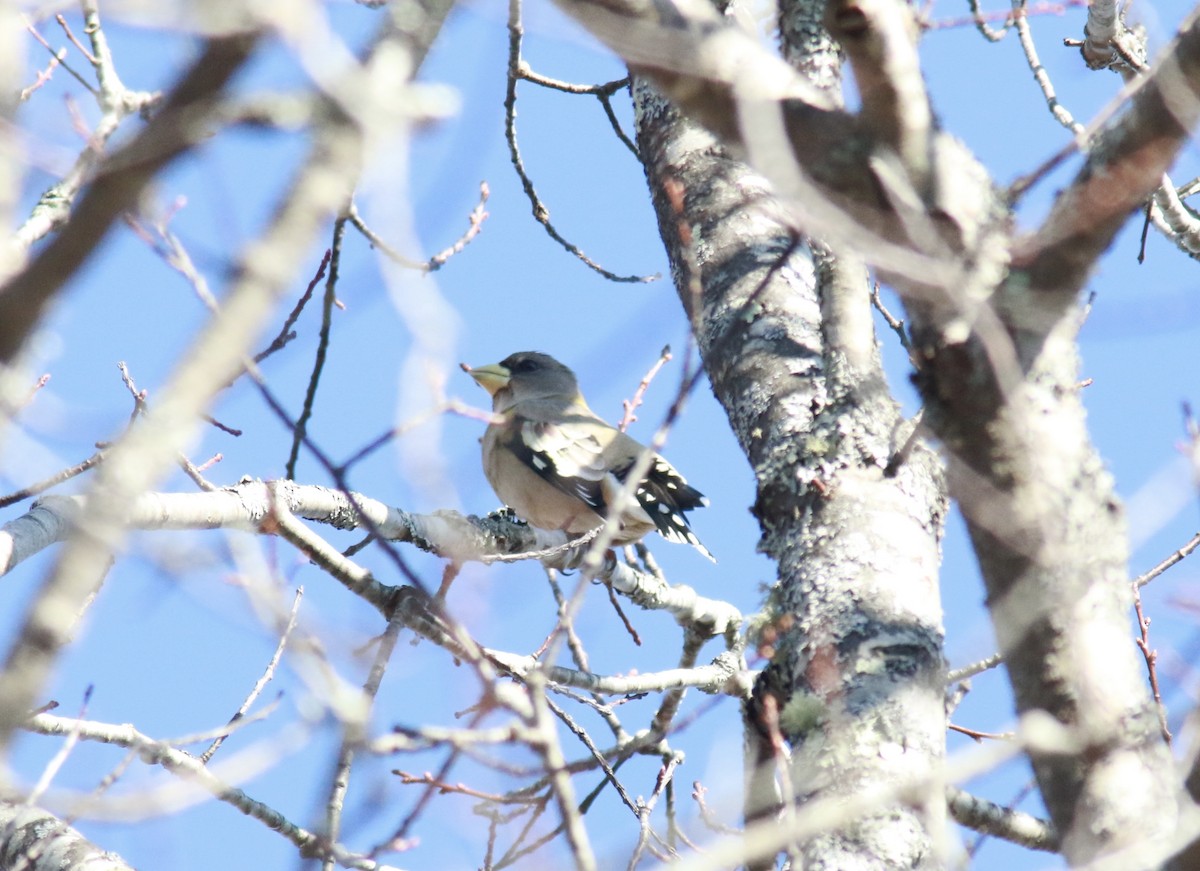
[{"x": 559, "y": 466}]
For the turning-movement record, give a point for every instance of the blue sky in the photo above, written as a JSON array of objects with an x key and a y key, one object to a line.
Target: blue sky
[{"x": 174, "y": 650}]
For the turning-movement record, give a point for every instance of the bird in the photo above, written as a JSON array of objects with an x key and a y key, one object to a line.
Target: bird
[{"x": 558, "y": 465}]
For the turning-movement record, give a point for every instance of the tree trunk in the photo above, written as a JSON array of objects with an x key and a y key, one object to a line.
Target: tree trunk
[{"x": 856, "y": 680}]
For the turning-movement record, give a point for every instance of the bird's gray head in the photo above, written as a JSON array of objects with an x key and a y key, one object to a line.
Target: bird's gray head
[{"x": 526, "y": 375}]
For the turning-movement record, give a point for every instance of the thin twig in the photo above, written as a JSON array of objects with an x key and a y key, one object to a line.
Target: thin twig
[
  {"x": 60, "y": 56},
  {"x": 262, "y": 682},
  {"x": 630, "y": 405},
  {"x": 475, "y": 221},
  {"x": 1151, "y": 657},
  {"x": 59, "y": 759},
  {"x": 974, "y": 668},
  {"x": 979, "y": 736},
  {"x": 43, "y": 76},
  {"x": 323, "y": 339},
  {"x": 53, "y": 481},
  {"x": 1176, "y": 557},
  {"x": 540, "y": 213},
  {"x": 286, "y": 332},
  {"x": 354, "y": 737}
]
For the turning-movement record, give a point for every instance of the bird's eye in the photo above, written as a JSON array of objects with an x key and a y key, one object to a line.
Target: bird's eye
[{"x": 525, "y": 365}]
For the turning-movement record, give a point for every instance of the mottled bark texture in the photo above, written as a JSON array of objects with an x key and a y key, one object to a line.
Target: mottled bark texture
[
  {"x": 33, "y": 840},
  {"x": 993, "y": 324},
  {"x": 856, "y": 682}
]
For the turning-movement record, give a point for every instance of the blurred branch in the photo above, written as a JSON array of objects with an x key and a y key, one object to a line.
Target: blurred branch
[
  {"x": 320, "y": 188},
  {"x": 989, "y": 818},
  {"x": 194, "y": 773},
  {"x": 1123, "y": 168},
  {"x": 119, "y": 180}
]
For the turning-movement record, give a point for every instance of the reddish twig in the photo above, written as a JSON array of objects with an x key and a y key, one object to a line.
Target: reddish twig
[
  {"x": 1151, "y": 657},
  {"x": 980, "y": 736},
  {"x": 630, "y": 405},
  {"x": 43, "y": 76},
  {"x": 33, "y": 391},
  {"x": 612, "y": 598},
  {"x": 196, "y": 472},
  {"x": 60, "y": 55},
  {"x": 476, "y": 218},
  {"x": 83, "y": 49},
  {"x": 1004, "y": 17},
  {"x": 706, "y": 814}
]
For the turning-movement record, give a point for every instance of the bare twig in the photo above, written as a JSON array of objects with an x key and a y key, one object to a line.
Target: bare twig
[
  {"x": 1174, "y": 558},
  {"x": 56, "y": 763},
  {"x": 43, "y": 75},
  {"x": 978, "y": 735},
  {"x": 1151, "y": 657},
  {"x": 354, "y": 737},
  {"x": 630, "y": 405},
  {"x": 974, "y": 668},
  {"x": 189, "y": 768},
  {"x": 53, "y": 481},
  {"x": 59, "y": 56},
  {"x": 540, "y": 213},
  {"x": 262, "y": 682},
  {"x": 475, "y": 220},
  {"x": 286, "y": 333},
  {"x": 300, "y": 428}
]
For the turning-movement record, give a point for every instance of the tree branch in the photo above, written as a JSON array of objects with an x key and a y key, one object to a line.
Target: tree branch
[{"x": 181, "y": 122}]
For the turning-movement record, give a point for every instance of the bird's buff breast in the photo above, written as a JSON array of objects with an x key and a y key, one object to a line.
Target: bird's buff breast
[{"x": 532, "y": 498}]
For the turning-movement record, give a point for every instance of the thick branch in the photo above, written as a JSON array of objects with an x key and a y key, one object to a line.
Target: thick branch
[
  {"x": 852, "y": 184},
  {"x": 259, "y": 506},
  {"x": 35, "y": 840}
]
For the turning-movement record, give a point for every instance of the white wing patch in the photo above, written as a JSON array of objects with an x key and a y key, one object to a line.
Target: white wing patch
[{"x": 572, "y": 455}]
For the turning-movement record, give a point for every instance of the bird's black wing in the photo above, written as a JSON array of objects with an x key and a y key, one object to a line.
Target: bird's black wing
[{"x": 665, "y": 495}]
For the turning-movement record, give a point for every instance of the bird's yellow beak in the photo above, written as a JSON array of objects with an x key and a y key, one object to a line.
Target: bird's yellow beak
[{"x": 493, "y": 378}]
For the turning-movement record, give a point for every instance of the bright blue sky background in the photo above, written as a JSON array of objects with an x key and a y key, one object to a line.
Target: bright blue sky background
[{"x": 172, "y": 645}]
